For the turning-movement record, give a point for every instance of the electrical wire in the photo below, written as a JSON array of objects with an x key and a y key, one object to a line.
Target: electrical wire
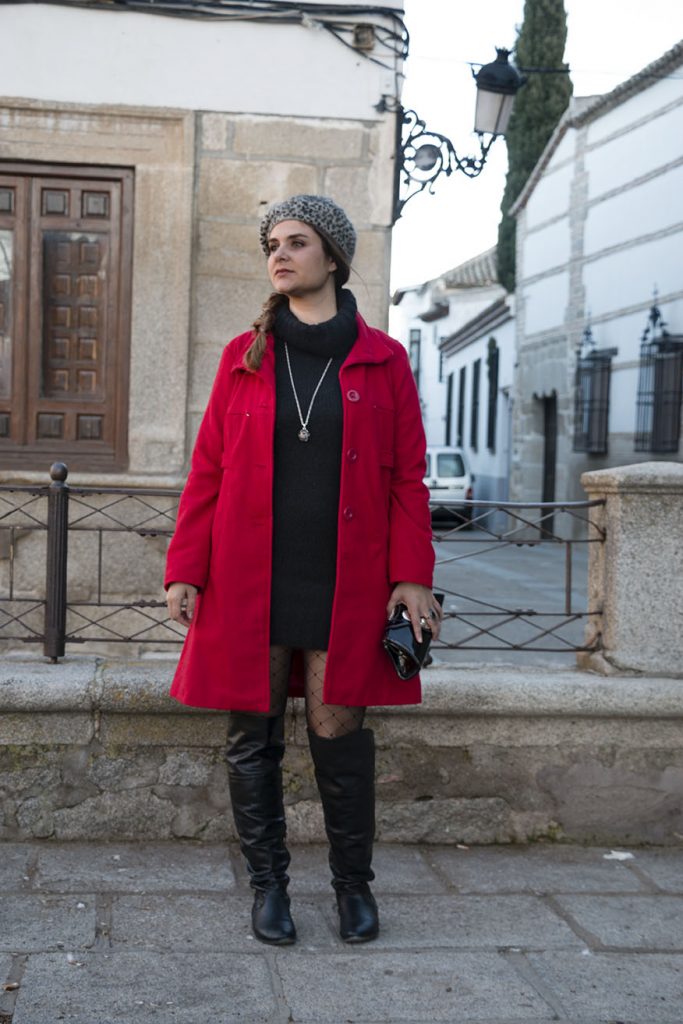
[{"x": 396, "y": 40}]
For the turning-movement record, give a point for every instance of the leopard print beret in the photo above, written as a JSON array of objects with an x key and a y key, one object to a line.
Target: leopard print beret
[{"x": 320, "y": 212}]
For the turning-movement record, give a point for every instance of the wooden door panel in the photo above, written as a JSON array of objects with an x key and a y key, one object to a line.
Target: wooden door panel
[{"x": 66, "y": 347}]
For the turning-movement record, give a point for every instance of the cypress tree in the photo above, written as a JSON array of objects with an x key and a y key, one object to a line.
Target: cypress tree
[{"x": 538, "y": 107}]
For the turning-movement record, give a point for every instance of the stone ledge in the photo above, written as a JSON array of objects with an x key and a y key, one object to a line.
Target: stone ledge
[
  {"x": 643, "y": 477},
  {"x": 81, "y": 683}
]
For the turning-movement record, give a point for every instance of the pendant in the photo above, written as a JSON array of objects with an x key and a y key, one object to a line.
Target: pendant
[{"x": 304, "y": 434}]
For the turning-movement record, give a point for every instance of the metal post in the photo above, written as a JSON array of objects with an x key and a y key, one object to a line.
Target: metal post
[{"x": 57, "y": 544}]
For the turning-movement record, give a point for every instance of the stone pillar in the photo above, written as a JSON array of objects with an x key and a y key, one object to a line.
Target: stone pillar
[{"x": 636, "y": 576}]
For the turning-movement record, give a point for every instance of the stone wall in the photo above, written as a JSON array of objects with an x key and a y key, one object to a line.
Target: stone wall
[
  {"x": 96, "y": 750},
  {"x": 244, "y": 163},
  {"x": 635, "y": 578}
]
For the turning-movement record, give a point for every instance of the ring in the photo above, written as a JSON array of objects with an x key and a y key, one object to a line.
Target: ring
[{"x": 424, "y": 621}]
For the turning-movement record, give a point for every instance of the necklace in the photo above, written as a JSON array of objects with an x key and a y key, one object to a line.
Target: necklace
[{"x": 305, "y": 433}]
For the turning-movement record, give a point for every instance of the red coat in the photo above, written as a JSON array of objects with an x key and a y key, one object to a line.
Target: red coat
[{"x": 222, "y": 542}]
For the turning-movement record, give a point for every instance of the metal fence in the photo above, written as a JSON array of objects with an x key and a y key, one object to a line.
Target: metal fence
[{"x": 83, "y": 565}]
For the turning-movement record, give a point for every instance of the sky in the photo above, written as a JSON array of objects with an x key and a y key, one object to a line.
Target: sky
[{"x": 607, "y": 42}]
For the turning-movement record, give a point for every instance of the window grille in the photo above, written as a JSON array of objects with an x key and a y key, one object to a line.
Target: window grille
[
  {"x": 462, "y": 384},
  {"x": 591, "y": 402},
  {"x": 415, "y": 339},
  {"x": 658, "y": 411},
  {"x": 492, "y": 362},
  {"x": 474, "y": 423}
]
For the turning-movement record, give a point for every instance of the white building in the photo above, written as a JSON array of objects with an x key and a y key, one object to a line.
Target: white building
[
  {"x": 479, "y": 364},
  {"x": 599, "y": 227},
  {"x": 422, "y": 316}
]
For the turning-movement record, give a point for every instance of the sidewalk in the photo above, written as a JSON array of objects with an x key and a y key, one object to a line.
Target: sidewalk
[{"x": 159, "y": 932}]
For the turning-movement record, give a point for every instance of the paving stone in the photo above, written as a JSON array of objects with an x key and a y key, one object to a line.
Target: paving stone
[
  {"x": 534, "y": 869},
  {"x": 664, "y": 867},
  {"x": 14, "y": 862},
  {"x": 465, "y": 922},
  {"x": 630, "y": 922},
  {"x": 6, "y": 998},
  {"x": 425, "y": 986},
  {"x": 134, "y": 867},
  {"x": 40, "y": 922},
  {"x": 206, "y": 923},
  {"x": 398, "y": 869},
  {"x": 142, "y": 988},
  {"x": 615, "y": 986}
]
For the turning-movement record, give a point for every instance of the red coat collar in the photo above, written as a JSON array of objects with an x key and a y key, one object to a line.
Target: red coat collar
[{"x": 369, "y": 347}]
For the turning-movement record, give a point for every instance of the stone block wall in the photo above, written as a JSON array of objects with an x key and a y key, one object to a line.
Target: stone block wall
[
  {"x": 244, "y": 163},
  {"x": 97, "y": 750}
]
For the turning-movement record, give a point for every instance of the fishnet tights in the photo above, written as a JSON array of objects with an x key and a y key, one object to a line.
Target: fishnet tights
[{"x": 326, "y": 720}]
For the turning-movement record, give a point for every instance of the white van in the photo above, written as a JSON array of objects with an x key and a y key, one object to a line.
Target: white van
[{"x": 449, "y": 481}]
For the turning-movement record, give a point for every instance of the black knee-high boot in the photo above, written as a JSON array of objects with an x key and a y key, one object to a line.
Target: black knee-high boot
[
  {"x": 345, "y": 773},
  {"x": 254, "y": 754}
]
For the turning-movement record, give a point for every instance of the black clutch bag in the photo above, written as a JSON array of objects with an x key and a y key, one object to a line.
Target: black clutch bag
[{"x": 407, "y": 654}]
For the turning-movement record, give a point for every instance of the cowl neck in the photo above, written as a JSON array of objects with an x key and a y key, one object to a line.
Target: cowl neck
[{"x": 329, "y": 339}]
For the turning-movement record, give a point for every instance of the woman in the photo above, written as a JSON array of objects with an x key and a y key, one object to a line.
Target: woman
[{"x": 303, "y": 523}]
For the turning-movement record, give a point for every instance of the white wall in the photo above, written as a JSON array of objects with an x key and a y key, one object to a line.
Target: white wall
[
  {"x": 64, "y": 54},
  {"x": 464, "y": 305},
  {"x": 489, "y": 468},
  {"x": 611, "y": 231}
]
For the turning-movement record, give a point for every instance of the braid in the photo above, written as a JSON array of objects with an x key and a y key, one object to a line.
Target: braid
[{"x": 263, "y": 325}]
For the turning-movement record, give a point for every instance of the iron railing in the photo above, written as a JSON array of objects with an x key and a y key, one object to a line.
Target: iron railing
[
  {"x": 490, "y": 605},
  {"x": 71, "y": 557}
]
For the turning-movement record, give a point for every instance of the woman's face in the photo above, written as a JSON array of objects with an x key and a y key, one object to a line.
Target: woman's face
[{"x": 297, "y": 263}]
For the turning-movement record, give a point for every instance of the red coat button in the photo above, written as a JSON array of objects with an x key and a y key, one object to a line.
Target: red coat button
[
  {"x": 352, "y": 455},
  {"x": 348, "y": 513},
  {"x": 352, "y": 395}
]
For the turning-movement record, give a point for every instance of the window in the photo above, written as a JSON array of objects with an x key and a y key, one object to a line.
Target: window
[
  {"x": 474, "y": 420},
  {"x": 449, "y": 408},
  {"x": 449, "y": 464},
  {"x": 415, "y": 338},
  {"x": 65, "y": 259},
  {"x": 492, "y": 366},
  {"x": 658, "y": 417},
  {"x": 441, "y": 365},
  {"x": 461, "y": 405},
  {"x": 591, "y": 401}
]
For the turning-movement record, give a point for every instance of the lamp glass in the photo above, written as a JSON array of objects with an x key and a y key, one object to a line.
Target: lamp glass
[{"x": 492, "y": 113}]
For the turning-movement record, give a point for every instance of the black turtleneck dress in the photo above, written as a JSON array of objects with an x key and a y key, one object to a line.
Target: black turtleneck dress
[{"x": 307, "y": 475}]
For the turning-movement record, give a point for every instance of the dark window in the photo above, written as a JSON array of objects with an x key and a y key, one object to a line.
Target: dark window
[
  {"x": 591, "y": 402},
  {"x": 415, "y": 339},
  {"x": 658, "y": 422},
  {"x": 462, "y": 384},
  {"x": 474, "y": 419},
  {"x": 492, "y": 366},
  {"x": 65, "y": 258},
  {"x": 441, "y": 365},
  {"x": 449, "y": 408}
]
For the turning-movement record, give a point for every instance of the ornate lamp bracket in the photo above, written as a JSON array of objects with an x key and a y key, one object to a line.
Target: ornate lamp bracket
[{"x": 424, "y": 155}]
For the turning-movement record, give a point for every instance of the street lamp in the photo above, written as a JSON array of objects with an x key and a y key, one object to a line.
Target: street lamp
[
  {"x": 423, "y": 155},
  {"x": 497, "y": 85}
]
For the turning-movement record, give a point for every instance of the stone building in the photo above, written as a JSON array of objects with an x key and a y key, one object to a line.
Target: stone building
[
  {"x": 137, "y": 155},
  {"x": 599, "y": 229},
  {"x": 424, "y": 315}
]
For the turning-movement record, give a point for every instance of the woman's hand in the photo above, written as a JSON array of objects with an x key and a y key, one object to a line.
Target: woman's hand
[
  {"x": 180, "y": 598},
  {"x": 423, "y": 608}
]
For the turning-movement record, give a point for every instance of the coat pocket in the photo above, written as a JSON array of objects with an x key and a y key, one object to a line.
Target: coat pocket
[{"x": 383, "y": 417}]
